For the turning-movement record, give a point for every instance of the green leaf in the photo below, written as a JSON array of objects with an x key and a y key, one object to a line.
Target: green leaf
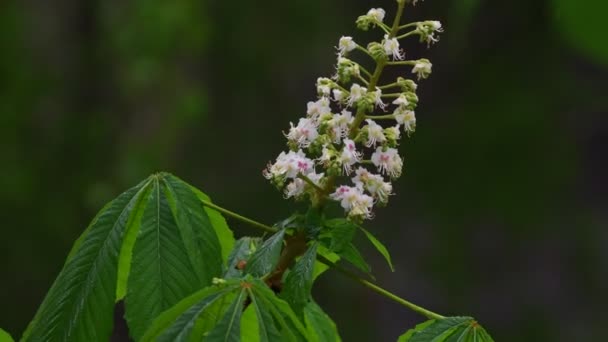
[
  {"x": 80, "y": 304},
  {"x": 379, "y": 246},
  {"x": 182, "y": 327},
  {"x": 342, "y": 232},
  {"x": 176, "y": 253},
  {"x": 266, "y": 257},
  {"x": 419, "y": 327},
  {"x": 320, "y": 267},
  {"x": 449, "y": 329},
  {"x": 197, "y": 229},
  {"x": 351, "y": 254},
  {"x": 243, "y": 249},
  {"x": 267, "y": 330},
  {"x": 5, "y": 337},
  {"x": 298, "y": 283},
  {"x": 320, "y": 326},
  {"x": 169, "y": 318},
  {"x": 290, "y": 326},
  {"x": 229, "y": 327},
  {"x": 250, "y": 330},
  {"x": 224, "y": 233}
]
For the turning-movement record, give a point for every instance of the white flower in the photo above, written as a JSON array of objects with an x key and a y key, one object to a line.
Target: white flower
[
  {"x": 356, "y": 93},
  {"x": 354, "y": 201},
  {"x": 374, "y": 184},
  {"x": 318, "y": 108},
  {"x": 407, "y": 118},
  {"x": 349, "y": 156},
  {"x": 377, "y": 14},
  {"x": 391, "y": 47},
  {"x": 401, "y": 101},
  {"x": 295, "y": 188},
  {"x": 289, "y": 165},
  {"x": 436, "y": 25},
  {"x": 346, "y": 44},
  {"x": 377, "y": 98},
  {"x": 326, "y": 155},
  {"x": 324, "y": 86},
  {"x": 298, "y": 186},
  {"x": 304, "y": 133},
  {"x": 427, "y": 30},
  {"x": 375, "y": 133},
  {"x": 388, "y": 162},
  {"x": 423, "y": 68},
  {"x": 339, "y": 125},
  {"x": 338, "y": 95}
]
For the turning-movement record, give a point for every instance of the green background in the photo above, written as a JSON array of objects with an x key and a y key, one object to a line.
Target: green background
[{"x": 502, "y": 210}]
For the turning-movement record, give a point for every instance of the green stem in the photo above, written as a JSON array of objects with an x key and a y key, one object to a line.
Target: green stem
[
  {"x": 381, "y": 117},
  {"x": 380, "y": 64},
  {"x": 388, "y": 86},
  {"x": 309, "y": 181},
  {"x": 379, "y": 290},
  {"x": 409, "y": 25},
  {"x": 241, "y": 218},
  {"x": 411, "y": 33},
  {"x": 391, "y": 95},
  {"x": 402, "y": 63}
]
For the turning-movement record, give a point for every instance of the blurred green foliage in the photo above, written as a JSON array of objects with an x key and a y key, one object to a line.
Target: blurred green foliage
[{"x": 498, "y": 215}]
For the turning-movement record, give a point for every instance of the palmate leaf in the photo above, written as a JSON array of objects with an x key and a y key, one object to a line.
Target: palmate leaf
[
  {"x": 298, "y": 283},
  {"x": 228, "y": 328},
  {"x": 288, "y": 324},
  {"x": 80, "y": 304},
  {"x": 176, "y": 252},
  {"x": 118, "y": 250},
  {"x": 266, "y": 256},
  {"x": 220, "y": 314},
  {"x": 449, "y": 329}
]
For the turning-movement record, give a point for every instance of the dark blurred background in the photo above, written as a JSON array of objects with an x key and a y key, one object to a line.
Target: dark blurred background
[{"x": 501, "y": 213}]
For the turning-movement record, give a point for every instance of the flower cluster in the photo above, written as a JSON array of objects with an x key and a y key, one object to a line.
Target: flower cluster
[{"x": 339, "y": 150}]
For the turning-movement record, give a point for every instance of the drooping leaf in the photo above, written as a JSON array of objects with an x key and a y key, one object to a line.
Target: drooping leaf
[
  {"x": 320, "y": 326},
  {"x": 342, "y": 232},
  {"x": 5, "y": 337},
  {"x": 351, "y": 254},
  {"x": 298, "y": 283},
  {"x": 449, "y": 329},
  {"x": 176, "y": 252},
  {"x": 243, "y": 249},
  {"x": 169, "y": 319},
  {"x": 228, "y": 328},
  {"x": 266, "y": 257},
  {"x": 80, "y": 304},
  {"x": 288, "y": 324},
  {"x": 379, "y": 246}
]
